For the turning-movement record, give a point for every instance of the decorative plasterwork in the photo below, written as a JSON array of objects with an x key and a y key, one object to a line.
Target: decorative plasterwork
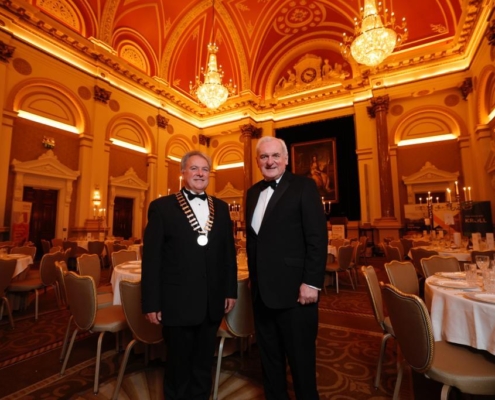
[
  {"x": 428, "y": 179},
  {"x": 230, "y": 194},
  {"x": 129, "y": 180},
  {"x": 47, "y": 172},
  {"x": 6, "y": 51}
]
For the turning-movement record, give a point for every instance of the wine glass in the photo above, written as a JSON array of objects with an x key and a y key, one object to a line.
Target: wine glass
[{"x": 483, "y": 262}]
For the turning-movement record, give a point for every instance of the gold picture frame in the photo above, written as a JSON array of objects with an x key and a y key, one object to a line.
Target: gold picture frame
[{"x": 318, "y": 160}]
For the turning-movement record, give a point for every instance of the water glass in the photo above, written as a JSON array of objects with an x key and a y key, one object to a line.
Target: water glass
[
  {"x": 3, "y": 253},
  {"x": 471, "y": 273},
  {"x": 483, "y": 262},
  {"x": 489, "y": 281}
]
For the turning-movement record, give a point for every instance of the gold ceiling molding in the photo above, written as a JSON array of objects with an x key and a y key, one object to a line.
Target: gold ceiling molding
[{"x": 108, "y": 17}]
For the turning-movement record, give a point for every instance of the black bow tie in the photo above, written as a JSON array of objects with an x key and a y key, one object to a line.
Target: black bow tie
[
  {"x": 191, "y": 195},
  {"x": 265, "y": 184}
]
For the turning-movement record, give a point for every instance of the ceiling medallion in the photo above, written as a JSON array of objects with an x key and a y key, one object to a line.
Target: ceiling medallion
[
  {"x": 375, "y": 35},
  {"x": 212, "y": 93}
]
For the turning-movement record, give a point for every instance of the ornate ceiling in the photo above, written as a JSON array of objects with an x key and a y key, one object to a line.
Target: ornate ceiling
[{"x": 161, "y": 44}]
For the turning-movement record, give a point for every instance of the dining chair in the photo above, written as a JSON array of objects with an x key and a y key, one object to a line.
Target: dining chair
[
  {"x": 434, "y": 264},
  {"x": 337, "y": 243},
  {"x": 81, "y": 295},
  {"x": 45, "y": 245},
  {"x": 391, "y": 253},
  {"x": 97, "y": 247},
  {"x": 403, "y": 276},
  {"x": 472, "y": 372},
  {"x": 419, "y": 253},
  {"x": 375, "y": 296},
  {"x": 407, "y": 245},
  {"x": 48, "y": 273},
  {"x": 421, "y": 243},
  {"x": 398, "y": 244},
  {"x": 26, "y": 250},
  {"x": 30, "y": 283},
  {"x": 363, "y": 244},
  {"x": 122, "y": 256},
  {"x": 58, "y": 242},
  {"x": 237, "y": 324},
  {"x": 341, "y": 264},
  {"x": 103, "y": 300},
  {"x": 7, "y": 268},
  {"x": 489, "y": 253},
  {"x": 89, "y": 264},
  {"x": 72, "y": 254},
  {"x": 142, "y": 330}
]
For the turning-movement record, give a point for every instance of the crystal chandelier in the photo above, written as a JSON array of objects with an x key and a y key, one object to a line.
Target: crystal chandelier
[
  {"x": 212, "y": 93},
  {"x": 373, "y": 40}
]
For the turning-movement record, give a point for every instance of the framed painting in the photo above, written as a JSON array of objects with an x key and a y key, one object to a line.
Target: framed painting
[{"x": 317, "y": 160}]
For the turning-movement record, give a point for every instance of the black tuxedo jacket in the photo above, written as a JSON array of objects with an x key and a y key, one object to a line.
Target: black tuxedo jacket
[
  {"x": 291, "y": 245},
  {"x": 180, "y": 278}
]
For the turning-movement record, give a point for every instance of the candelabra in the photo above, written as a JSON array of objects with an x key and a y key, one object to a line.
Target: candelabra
[
  {"x": 235, "y": 216},
  {"x": 459, "y": 205},
  {"x": 327, "y": 207}
]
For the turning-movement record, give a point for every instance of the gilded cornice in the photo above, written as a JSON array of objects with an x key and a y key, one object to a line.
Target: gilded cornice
[{"x": 106, "y": 28}]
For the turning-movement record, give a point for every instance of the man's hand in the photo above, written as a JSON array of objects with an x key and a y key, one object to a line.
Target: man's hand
[
  {"x": 229, "y": 305},
  {"x": 307, "y": 295},
  {"x": 154, "y": 317}
]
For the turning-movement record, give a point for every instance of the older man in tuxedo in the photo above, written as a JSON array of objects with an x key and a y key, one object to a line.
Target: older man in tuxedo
[
  {"x": 287, "y": 251},
  {"x": 189, "y": 277}
]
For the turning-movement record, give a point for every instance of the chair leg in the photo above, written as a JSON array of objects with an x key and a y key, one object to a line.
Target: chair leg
[
  {"x": 67, "y": 355},
  {"x": 66, "y": 340},
  {"x": 399, "y": 381},
  {"x": 36, "y": 304},
  {"x": 97, "y": 367},
  {"x": 122, "y": 368},
  {"x": 5, "y": 301},
  {"x": 219, "y": 364},
  {"x": 445, "y": 392},
  {"x": 350, "y": 278},
  {"x": 337, "y": 281},
  {"x": 380, "y": 359}
]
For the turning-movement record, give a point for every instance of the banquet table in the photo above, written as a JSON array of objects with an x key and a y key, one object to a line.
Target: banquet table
[
  {"x": 136, "y": 248},
  {"x": 461, "y": 255},
  {"x": 23, "y": 262},
  {"x": 462, "y": 316},
  {"x": 130, "y": 270}
]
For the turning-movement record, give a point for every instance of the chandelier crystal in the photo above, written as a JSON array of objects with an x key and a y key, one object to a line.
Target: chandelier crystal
[
  {"x": 375, "y": 36},
  {"x": 212, "y": 93}
]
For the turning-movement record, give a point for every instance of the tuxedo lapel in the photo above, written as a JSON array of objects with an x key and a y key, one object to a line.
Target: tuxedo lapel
[
  {"x": 282, "y": 186},
  {"x": 251, "y": 204}
]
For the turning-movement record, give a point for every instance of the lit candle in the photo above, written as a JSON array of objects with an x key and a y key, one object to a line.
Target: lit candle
[
  {"x": 104, "y": 212},
  {"x": 469, "y": 193},
  {"x": 168, "y": 191},
  {"x": 438, "y": 200},
  {"x": 465, "y": 197},
  {"x": 456, "y": 189},
  {"x": 94, "y": 212},
  {"x": 420, "y": 200},
  {"x": 449, "y": 198},
  {"x": 180, "y": 182}
]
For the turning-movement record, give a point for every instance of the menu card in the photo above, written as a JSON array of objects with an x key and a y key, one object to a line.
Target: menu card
[
  {"x": 489, "y": 241},
  {"x": 457, "y": 239},
  {"x": 476, "y": 239},
  {"x": 338, "y": 231}
]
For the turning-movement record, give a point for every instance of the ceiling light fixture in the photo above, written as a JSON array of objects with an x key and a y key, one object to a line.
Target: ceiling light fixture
[
  {"x": 212, "y": 93},
  {"x": 375, "y": 35}
]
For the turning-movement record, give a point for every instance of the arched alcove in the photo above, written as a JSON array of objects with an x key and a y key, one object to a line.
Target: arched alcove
[{"x": 131, "y": 129}]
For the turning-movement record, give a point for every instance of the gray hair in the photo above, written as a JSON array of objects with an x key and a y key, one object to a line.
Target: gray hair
[
  {"x": 192, "y": 153},
  {"x": 271, "y": 139}
]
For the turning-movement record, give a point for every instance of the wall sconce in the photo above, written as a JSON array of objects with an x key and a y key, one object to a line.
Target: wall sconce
[{"x": 48, "y": 142}]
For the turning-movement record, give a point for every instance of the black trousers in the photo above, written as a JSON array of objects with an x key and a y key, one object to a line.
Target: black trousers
[
  {"x": 190, "y": 352},
  {"x": 287, "y": 335}
]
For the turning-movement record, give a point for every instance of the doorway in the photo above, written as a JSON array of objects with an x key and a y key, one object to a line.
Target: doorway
[
  {"x": 122, "y": 217},
  {"x": 43, "y": 215}
]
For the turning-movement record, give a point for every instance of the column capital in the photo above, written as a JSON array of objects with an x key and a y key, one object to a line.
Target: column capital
[
  {"x": 378, "y": 104},
  {"x": 250, "y": 130}
]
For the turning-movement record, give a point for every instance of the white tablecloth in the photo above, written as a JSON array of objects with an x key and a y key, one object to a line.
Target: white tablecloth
[
  {"x": 130, "y": 271},
  {"x": 136, "y": 248},
  {"x": 460, "y": 320},
  {"x": 23, "y": 262},
  {"x": 461, "y": 255}
]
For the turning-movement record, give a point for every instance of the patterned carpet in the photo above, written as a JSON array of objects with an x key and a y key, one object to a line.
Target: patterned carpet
[{"x": 348, "y": 345}]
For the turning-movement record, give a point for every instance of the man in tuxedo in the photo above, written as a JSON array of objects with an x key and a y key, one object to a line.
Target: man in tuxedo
[
  {"x": 287, "y": 251},
  {"x": 189, "y": 277}
]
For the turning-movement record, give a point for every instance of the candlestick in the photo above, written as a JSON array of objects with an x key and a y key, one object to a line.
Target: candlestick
[
  {"x": 168, "y": 191},
  {"x": 420, "y": 200},
  {"x": 449, "y": 197},
  {"x": 438, "y": 200},
  {"x": 465, "y": 196},
  {"x": 456, "y": 188},
  {"x": 469, "y": 193}
]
